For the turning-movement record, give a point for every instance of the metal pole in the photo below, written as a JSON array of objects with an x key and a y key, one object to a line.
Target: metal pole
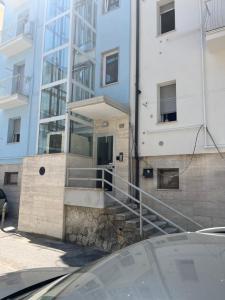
[
  {"x": 3, "y": 215},
  {"x": 103, "y": 178},
  {"x": 141, "y": 213}
]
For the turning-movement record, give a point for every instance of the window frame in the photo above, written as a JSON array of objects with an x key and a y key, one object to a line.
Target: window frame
[
  {"x": 161, "y": 4},
  {"x": 160, "y": 85},
  {"x": 104, "y": 58},
  {"x": 106, "y": 9},
  {"x": 159, "y": 184},
  {"x": 7, "y": 178},
  {"x": 11, "y": 139}
]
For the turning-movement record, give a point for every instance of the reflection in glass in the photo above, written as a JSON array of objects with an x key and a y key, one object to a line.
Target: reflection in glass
[
  {"x": 85, "y": 37},
  {"x": 57, "y": 7},
  {"x": 111, "y": 68},
  {"x": 55, "y": 66},
  {"x": 51, "y": 137},
  {"x": 53, "y": 101},
  {"x": 86, "y": 9},
  {"x": 81, "y": 139},
  {"x": 57, "y": 33},
  {"x": 78, "y": 93}
]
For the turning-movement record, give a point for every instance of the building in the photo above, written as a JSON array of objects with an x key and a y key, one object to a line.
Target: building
[
  {"x": 53, "y": 53},
  {"x": 181, "y": 105},
  {"x": 73, "y": 110}
]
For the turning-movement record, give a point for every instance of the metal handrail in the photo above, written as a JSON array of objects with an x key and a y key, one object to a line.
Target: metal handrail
[
  {"x": 11, "y": 32},
  {"x": 16, "y": 84},
  {"x": 139, "y": 202},
  {"x": 215, "y": 15}
]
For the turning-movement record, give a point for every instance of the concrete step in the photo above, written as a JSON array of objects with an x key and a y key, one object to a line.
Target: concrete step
[
  {"x": 128, "y": 215},
  {"x": 171, "y": 230},
  {"x": 150, "y": 229},
  {"x": 135, "y": 222},
  {"x": 116, "y": 209}
]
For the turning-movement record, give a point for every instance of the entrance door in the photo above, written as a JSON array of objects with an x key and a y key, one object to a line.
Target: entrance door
[{"x": 105, "y": 159}]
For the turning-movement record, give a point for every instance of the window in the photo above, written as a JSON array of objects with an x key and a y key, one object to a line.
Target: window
[
  {"x": 22, "y": 22},
  {"x": 14, "y": 130},
  {"x": 110, "y": 5},
  {"x": 11, "y": 178},
  {"x": 167, "y": 17},
  {"x": 168, "y": 110},
  {"x": 110, "y": 68},
  {"x": 53, "y": 101},
  {"x": 57, "y": 33},
  {"x": 55, "y": 66},
  {"x": 51, "y": 137},
  {"x": 81, "y": 138},
  {"x": 168, "y": 179},
  {"x": 57, "y": 7}
]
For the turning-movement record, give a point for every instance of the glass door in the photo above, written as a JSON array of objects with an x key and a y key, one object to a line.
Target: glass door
[{"x": 105, "y": 159}]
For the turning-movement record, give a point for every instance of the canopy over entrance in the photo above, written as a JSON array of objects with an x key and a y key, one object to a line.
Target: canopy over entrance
[{"x": 99, "y": 108}]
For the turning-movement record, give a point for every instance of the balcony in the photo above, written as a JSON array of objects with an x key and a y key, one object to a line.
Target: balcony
[
  {"x": 14, "y": 92},
  {"x": 215, "y": 25},
  {"x": 16, "y": 39}
]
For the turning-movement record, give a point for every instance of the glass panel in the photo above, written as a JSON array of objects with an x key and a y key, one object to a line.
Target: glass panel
[
  {"x": 51, "y": 137},
  {"x": 167, "y": 18},
  {"x": 55, "y": 66},
  {"x": 111, "y": 68},
  {"x": 53, "y": 101},
  {"x": 112, "y": 4},
  {"x": 85, "y": 37},
  {"x": 105, "y": 150},
  {"x": 57, "y": 7},
  {"x": 78, "y": 93},
  {"x": 81, "y": 139},
  {"x": 83, "y": 70},
  {"x": 168, "y": 98},
  {"x": 57, "y": 33},
  {"x": 87, "y": 10}
]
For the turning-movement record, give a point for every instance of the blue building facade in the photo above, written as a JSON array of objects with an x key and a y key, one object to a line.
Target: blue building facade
[{"x": 54, "y": 52}]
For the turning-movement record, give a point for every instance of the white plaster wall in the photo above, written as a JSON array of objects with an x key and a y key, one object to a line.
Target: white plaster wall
[{"x": 177, "y": 56}]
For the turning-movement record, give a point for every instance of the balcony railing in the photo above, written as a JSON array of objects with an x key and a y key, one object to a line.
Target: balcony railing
[
  {"x": 24, "y": 28},
  {"x": 215, "y": 15},
  {"x": 14, "y": 85}
]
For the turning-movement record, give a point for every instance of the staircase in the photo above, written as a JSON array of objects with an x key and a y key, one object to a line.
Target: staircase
[
  {"x": 134, "y": 218},
  {"x": 131, "y": 221}
]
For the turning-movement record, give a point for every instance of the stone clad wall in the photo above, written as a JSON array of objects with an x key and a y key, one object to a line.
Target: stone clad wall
[
  {"x": 201, "y": 195},
  {"x": 97, "y": 227}
]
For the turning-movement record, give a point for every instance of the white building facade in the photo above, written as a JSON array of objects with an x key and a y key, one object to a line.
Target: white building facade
[{"x": 181, "y": 104}]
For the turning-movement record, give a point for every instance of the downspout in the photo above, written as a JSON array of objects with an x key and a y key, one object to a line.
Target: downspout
[
  {"x": 137, "y": 93},
  {"x": 203, "y": 71}
]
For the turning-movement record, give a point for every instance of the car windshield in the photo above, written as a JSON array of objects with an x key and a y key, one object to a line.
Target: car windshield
[{"x": 164, "y": 268}]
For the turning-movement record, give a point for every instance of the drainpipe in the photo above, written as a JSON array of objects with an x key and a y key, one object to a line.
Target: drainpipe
[
  {"x": 137, "y": 93},
  {"x": 203, "y": 71}
]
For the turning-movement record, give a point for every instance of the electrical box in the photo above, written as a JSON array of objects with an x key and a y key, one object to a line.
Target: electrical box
[{"x": 148, "y": 173}]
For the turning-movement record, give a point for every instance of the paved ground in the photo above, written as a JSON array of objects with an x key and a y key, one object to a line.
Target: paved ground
[{"x": 19, "y": 251}]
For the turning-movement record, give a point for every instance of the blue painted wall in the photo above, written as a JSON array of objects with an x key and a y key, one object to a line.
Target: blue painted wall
[
  {"x": 113, "y": 31},
  {"x": 13, "y": 153}
]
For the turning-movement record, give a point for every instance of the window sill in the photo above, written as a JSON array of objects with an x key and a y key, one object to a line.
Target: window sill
[
  {"x": 168, "y": 122},
  {"x": 168, "y": 190},
  {"x": 110, "y": 84},
  {"x": 13, "y": 143},
  {"x": 159, "y": 35}
]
